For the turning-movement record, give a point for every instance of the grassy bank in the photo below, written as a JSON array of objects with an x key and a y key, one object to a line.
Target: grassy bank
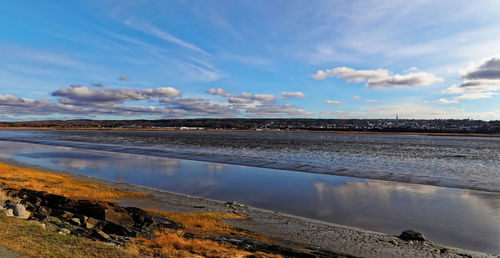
[{"x": 29, "y": 238}]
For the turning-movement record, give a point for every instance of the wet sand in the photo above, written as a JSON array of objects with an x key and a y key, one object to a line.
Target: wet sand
[{"x": 291, "y": 230}]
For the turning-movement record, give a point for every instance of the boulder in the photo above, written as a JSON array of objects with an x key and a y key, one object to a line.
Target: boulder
[
  {"x": 19, "y": 210},
  {"x": 101, "y": 235},
  {"x": 75, "y": 221},
  {"x": 90, "y": 222},
  {"x": 65, "y": 231},
  {"x": 409, "y": 235},
  {"x": 9, "y": 212}
]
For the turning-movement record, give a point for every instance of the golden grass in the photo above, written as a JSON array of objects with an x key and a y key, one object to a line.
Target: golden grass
[
  {"x": 204, "y": 223},
  {"x": 168, "y": 244},
  {"x": 29, "y": 239},
  {"x": 16, "y": 177},
  {"x": 201, "y": 224}
]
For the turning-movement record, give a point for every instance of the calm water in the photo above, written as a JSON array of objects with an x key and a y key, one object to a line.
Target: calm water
[
  {"x": 458, "y": 217},
  {"x": 464, "y": 162}
]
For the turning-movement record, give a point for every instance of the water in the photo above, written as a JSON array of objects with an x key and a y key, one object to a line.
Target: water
[
  {"x": 463, "y": 162},
  {"x": 458, "y": 217}
]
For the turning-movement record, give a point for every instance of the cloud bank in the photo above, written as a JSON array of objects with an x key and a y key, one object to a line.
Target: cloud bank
[
  {"x": 478, "y": 82},
  {"x": 165, "y": 102},
  {"x": 380, "y": 78}
]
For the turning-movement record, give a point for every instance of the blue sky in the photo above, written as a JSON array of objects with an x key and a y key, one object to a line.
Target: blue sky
[{"x": 184, "y": 59}]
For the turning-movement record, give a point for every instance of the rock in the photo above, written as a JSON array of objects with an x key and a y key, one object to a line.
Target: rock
[
  {"x": 115, "y": 229},
  {"x": 9, "y": 212},
  {"x": 42, "y": 210},
  {"x": 19, "y": 210},
  {"x": 65, "y": 231},
  {"x": 101, "y": 235},
  {"x": 119, "y": 217},
  {"x": 61, "y": 214},
  {"x": 75, "y": 221},
  {"x": 410, "y": 234},
  {"x": 91, "y": 222},
  {"x": 42, "y": 225}
]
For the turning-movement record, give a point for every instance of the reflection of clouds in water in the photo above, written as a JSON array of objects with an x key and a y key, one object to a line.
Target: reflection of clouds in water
[
  {"x": 492, "y": 200},
  {"x": 74, "y": 164},
  {"x": 168, "y": 166},
  {"x": 434, "y": 204},
  {"x": 5, "y": 155},
  {"x": 214, "y": 170},
  {"x": 216, "y": 167},
  {"x": 374, "y": 189}
]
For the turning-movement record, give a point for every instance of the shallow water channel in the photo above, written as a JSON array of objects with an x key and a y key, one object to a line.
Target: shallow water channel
[{"x": 458, "y": 217}]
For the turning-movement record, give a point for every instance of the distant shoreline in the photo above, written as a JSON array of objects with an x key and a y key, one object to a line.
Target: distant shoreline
[{"x": 272, "y": 130}]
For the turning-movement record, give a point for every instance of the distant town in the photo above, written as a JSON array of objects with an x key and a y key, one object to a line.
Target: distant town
[{"x": 367, "y": 125}]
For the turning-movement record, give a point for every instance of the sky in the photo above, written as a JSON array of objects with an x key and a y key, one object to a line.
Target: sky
[{"x": 219, "y": 59}]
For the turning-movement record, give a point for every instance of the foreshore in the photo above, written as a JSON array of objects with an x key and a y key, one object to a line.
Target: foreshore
[
  {"x": 259, "y": 131},
  {"x": 287, "y": 231}
]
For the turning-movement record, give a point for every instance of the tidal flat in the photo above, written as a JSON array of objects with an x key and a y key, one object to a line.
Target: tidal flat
[{"x": 452, "y": 216}]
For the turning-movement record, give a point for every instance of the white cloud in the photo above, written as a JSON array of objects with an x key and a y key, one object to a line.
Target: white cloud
[
  {"x": 488, "y": 70},
  {"x": 264, "y": 97},
  {"x": 238, "y": 100},
  {"x": 447, "y": 101},
  {"x": 476, "y": 95},
  {"x": 78, "y": 100},
  {"x": 372, "y": 100},
  {"x": 333, "y": 102},
  {"x": 380, "y": 78},
  {"x": 479, "y": 82},
  {"x": 356, "y": 98},
  {"x": 81, "y": 94},
  {"x": 259, "y": 97},
  {"x": 296, "y": 94},
  {"x": 219, "y": 92},
  {"x": 277, "y": 111}
]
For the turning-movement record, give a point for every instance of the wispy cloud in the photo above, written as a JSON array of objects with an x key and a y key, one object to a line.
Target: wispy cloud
[
  {"x": 163, "y": 35},
  {"x": 333, "y": 102},
  {"x": 294, "y": 94}
]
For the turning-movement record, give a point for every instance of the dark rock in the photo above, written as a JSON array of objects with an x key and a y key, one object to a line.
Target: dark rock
[
  {"x": 101, "y": 235},
  {"x": 75, "y": 221},
  {"x": 119, "y": 216},
  {"x": 61, "y": 214},
  {"x": 410, "y": 234},
  {"x": 112, "y": 228}
]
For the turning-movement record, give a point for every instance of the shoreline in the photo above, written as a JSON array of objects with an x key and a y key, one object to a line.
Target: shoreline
[
  {"x": 258, "y": 131},
  {"x": 291, "y": 230}
]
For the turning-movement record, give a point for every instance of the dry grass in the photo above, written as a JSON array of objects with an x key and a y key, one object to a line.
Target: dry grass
[
  {"x": 29, "y": 239},
  {"x": 205, "y": 223},
  {"x": 16, "y": 177},
  {"x": 168, "y": 244},
  {"x": 202, "y": 224}
]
